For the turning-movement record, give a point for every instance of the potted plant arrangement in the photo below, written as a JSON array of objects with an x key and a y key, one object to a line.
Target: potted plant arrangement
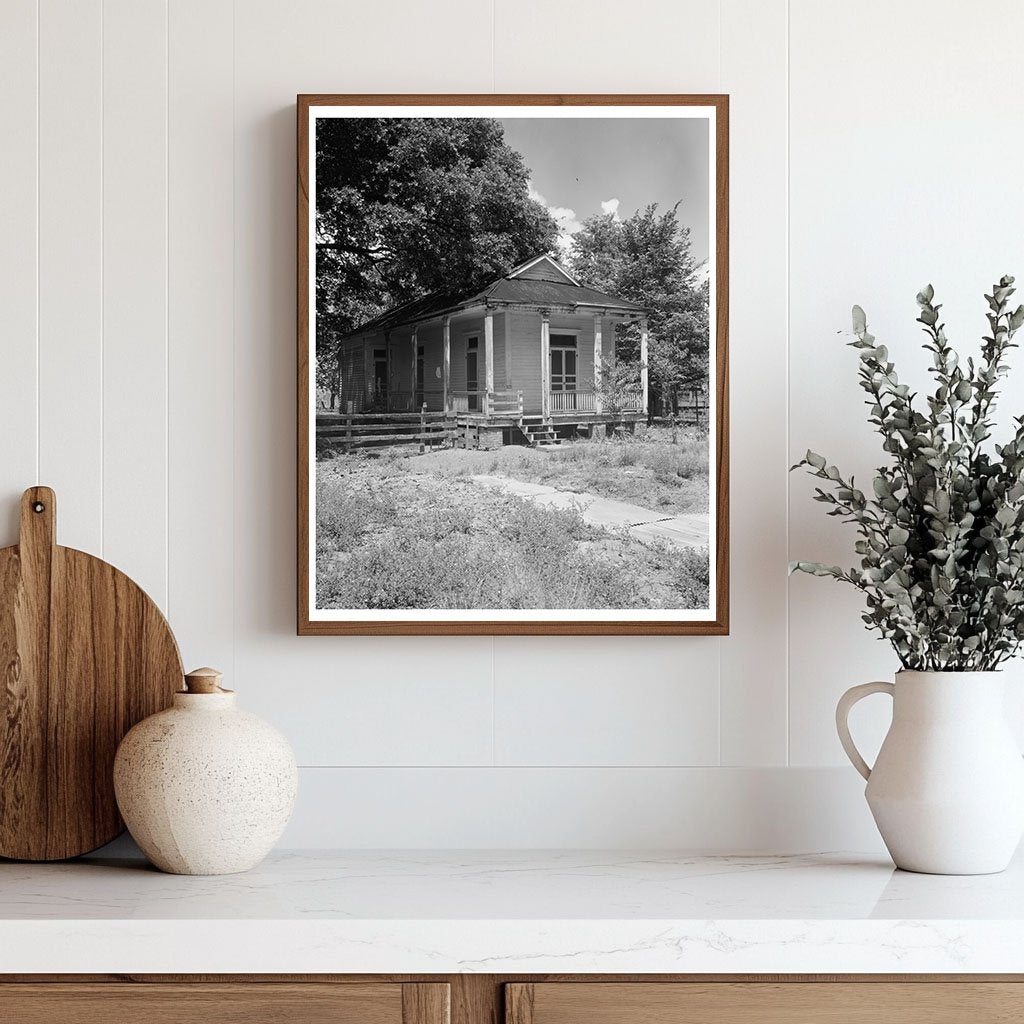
[{"x": 941, "y": 547}]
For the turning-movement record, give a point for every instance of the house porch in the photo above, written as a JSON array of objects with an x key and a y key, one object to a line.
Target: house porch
[{"x": 492, "y": 364}]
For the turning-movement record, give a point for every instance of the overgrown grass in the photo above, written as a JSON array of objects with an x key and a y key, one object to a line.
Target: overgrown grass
[
  {"x": 647, "y": 470},
  {"x": 388, "y": 538}
]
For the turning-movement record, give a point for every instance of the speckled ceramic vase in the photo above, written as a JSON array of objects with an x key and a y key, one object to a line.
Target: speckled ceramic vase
[{"x": 204, "y": 788}]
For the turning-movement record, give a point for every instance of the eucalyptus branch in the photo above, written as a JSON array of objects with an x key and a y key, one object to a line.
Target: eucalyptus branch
[{"x": 941, "y": 538}]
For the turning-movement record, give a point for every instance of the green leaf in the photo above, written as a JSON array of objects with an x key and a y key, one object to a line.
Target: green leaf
[
  {"x": 1006, "y": 515},
  {"x": 816, "y": 569},
  {"x": 941, "y": 545},
  {"x": 860, "y": 321}
]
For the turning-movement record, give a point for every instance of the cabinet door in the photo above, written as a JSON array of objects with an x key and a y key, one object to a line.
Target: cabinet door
[
  {"x": 242, "y": 1003},
  {"x": 795, "y": 1002}
]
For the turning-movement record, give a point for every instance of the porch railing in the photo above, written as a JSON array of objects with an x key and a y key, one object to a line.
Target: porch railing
[
  {"x": 505, "y": 403},
  {"x": 459, "y": 401},
  {"x": 572, "y": 401},
  {"x": 632, "y": 401},
  {"x": 497, "y": 403},
  {"x": 400, "y": 400}
]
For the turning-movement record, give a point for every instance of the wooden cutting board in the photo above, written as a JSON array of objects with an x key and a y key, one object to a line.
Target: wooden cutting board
[{"x": 84, "y": 655}]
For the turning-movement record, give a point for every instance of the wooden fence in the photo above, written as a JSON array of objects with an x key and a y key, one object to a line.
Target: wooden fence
[
  {"x": 692, "y": 413},
  {"x": 361, "y": 430}
]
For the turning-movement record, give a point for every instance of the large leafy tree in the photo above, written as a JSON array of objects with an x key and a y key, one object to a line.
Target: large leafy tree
[
  {"x": 648, "y": 259},
  {"x": 408, "y": 206}
]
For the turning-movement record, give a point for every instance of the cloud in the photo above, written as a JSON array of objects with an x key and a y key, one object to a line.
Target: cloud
[
  {"x": 563, "y": 216},
  {"x": 565, "y": 219},
  {"x": 611, "y": 206}
]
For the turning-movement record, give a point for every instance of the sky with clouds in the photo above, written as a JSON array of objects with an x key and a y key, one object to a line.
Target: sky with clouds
[{"x": 585, "y": 166}]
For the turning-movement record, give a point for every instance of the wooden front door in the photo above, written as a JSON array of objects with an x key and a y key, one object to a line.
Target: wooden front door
[
  {"x": 563, "y": 362},
  {"x": 472, "y": 377},
  {"x": 564, "y": 376},
  {"x": 380, "y": 375}
]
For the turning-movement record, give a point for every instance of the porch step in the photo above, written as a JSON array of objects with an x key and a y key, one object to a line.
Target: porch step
[{"x": 538, "y": 432}]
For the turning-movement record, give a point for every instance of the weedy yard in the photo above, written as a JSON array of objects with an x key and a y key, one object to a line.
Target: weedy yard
[
  {"x": 648, "y": 469},
  {"x": 401, "y": 530}
]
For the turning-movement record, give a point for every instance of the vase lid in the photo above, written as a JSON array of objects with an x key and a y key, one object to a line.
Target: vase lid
[{"x": 204, "y": 681}]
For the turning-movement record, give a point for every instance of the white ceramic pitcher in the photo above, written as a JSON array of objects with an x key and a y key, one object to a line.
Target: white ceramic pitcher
[{"x": 947, "y": 789}]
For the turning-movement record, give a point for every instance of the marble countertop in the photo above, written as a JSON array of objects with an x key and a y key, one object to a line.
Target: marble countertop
[{"x": 491, "y": 912}]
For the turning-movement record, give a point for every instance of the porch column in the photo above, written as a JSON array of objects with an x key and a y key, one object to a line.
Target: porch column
[
  {"x": 545, "y": 365},
  {"x": 387, "y": 371},
  {"x": 488, "y": 361},
  {"x": 412, "y": 372},
  {"x": 643, "y": 364},
  {"x": 446, "y": 331},
  {"x": 598, "y": 404},
  {"x": 367, "y": 377},
  {"x": 506, "y": 323}
]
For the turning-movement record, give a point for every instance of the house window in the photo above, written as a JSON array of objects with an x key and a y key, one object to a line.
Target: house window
[
  {"x": 563, "y": 362},
  {"x": 380, "y": 372}
]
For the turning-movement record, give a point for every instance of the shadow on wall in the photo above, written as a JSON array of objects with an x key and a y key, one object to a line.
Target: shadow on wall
[{"x": 265, "y": 371}]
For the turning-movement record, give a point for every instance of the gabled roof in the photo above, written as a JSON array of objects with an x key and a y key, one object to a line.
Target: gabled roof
[
  {"x": 544, "y": 293},
  {"x": 545, "y": 268},
  {"x": 557, "y": 287}
]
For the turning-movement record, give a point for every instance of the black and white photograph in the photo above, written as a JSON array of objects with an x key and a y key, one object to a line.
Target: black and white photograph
[{"x": 514, "y": 366}]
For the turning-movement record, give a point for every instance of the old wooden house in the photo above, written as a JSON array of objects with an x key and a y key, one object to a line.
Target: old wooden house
[{"x": 520, "y": 358}]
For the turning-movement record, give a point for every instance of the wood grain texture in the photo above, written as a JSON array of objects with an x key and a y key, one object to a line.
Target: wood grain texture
[
  {"x": 519, "y": 1004},
  {"x": 476, "y": 999},
  {"x": 478, "y": 983},
  {"x": 719, "y": 626},
  {"x": 209, "y": 1004},
  {"x": 761, "y": 1003},
  {"x": 426, "y": 1004},
  {"x": 84, "y": 655}
]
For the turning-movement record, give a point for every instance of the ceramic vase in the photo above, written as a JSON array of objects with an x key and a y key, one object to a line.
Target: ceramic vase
[
  {"x": 204, "y": 788},
  {"x": 947, "y": 788}
]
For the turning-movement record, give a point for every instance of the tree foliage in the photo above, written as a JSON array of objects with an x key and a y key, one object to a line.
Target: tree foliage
[
  {"x": 647, "y": 258},
  {"x": 617, "y": 384},
  {"x": 408, "y": 206},
  {"x": 942, "y": 538}
]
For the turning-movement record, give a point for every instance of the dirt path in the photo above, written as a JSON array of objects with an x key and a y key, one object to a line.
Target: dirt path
[{"x": 689, "y": 530}]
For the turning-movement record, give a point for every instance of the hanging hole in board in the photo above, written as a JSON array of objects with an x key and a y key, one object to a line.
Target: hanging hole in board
[{"x": 38, "y": 506}]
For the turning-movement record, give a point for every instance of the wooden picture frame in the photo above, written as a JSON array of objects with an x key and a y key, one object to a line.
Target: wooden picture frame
[{"x": 714, "y": 621}]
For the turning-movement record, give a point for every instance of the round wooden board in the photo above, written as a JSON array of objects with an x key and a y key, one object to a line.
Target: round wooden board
[{"x": 84, "y": 655}]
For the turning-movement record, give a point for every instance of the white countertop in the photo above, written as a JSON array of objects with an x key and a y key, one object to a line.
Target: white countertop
[{"x": 495, "y": 913}]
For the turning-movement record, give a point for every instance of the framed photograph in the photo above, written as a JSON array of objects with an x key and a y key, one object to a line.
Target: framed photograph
[{"x": 512, "y": 364}]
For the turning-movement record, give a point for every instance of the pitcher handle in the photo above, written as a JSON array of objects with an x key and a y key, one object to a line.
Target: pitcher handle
[{"x": 846, "y": 702}]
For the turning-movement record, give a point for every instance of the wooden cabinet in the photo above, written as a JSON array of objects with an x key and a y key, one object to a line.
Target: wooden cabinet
[
  {"x": 493, "y": 999},
  {"x": 794, "y": 1002},
  {"x": 231, "y": 1003}
]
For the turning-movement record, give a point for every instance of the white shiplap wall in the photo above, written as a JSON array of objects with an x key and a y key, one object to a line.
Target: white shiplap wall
[{"x": 147, "y": 280}]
